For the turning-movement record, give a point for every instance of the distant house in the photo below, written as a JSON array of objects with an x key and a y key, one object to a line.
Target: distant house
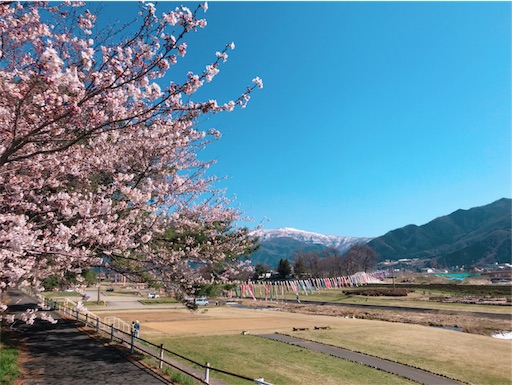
[{"x": 499, "y": 276}]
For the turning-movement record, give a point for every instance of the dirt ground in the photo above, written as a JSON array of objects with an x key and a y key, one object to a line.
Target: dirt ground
[
  {"x": 468, "y": 323},
  {"x": 269, "y": 317},
  {"x": 222, "y": 320}
]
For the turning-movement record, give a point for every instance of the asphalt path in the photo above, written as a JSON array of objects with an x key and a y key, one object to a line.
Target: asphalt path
[
  {"x": 61, "y": 354},
  {"x": 408, "y": 372}
]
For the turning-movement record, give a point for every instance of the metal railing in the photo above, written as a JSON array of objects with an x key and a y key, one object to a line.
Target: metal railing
[{"x": 146, "y": 347}]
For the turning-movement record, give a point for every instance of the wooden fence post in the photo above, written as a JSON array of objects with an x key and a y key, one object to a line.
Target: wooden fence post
[
  {"x": 207, "y": 373},
  {"x": 261, "y": 381},
  {"x": 97, "y": 325},
  {"x": 161, "y": 363},
  {"x": 131, "y": 344},
  {"x": 86, "y": 318},
  {"x": 111, "y": 332}
]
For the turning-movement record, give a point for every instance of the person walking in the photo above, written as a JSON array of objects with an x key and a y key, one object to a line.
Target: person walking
[{"x": 136, "y": 329}]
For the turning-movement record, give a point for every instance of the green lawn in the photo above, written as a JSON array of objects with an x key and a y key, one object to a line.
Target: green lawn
[
  {"x": 416, "y": 298},
  {"x": 54, "y": 294},
  {"x": 470, "y": 358},
  {"x": 9, "y": 370},
  {"x": 276, "y": 362},
  {"x": 158, "y": 301}
]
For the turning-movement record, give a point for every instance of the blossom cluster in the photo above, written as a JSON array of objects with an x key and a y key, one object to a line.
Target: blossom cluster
[{"x": 99, "y": 158}]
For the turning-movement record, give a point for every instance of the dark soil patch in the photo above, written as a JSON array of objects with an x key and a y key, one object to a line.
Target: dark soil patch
[{"x": 378, "y": 292}]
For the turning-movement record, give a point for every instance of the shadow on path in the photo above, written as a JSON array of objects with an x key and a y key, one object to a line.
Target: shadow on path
[{"x": 61, "y": 354}]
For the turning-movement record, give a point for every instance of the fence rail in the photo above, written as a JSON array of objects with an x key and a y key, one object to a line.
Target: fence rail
[
  {"x": 118, "y": 323},
  {"x": 146, "y": 347}
]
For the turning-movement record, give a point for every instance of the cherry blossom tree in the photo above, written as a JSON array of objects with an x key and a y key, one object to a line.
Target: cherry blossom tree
[{"x": 98, "y": 157}]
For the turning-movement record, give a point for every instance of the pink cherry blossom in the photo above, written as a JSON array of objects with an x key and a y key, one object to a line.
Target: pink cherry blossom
[
  {"x": 222, "y": 55},
  {"x": 182, "y": 49},
  {"x": 258, "y": 82},
  {"x": 98, "y": 156}
]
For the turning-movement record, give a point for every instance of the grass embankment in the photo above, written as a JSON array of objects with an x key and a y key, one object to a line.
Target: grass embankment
[
  {"x": 470, "y": 358},
  {"x": 417, "y": 296},
  {"x": 466, "y": 357},
  {"x": 277, "y": 363},
  {"x": 158, "y": 301},
  {"x": 55, "y": 294},
  {"x": 9, "y": 369}
]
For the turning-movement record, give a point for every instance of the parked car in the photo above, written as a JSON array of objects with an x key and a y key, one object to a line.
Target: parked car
[
  {"x": 201, "y": 301},
  {"x": 110, "y": 289},
  {"x": 153, "y": 295}
]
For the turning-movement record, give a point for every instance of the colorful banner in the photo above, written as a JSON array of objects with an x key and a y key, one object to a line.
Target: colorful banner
[{"x": 274, "y": 289}]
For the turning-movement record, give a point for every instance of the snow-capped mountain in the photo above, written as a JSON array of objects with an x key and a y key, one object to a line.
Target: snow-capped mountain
[{"x": 339, "y": 242}]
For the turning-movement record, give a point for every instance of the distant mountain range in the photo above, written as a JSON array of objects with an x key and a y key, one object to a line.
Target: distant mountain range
[
  {"x": 283, "y": 243},
  {"x": 477, "y": 236},
  {"x": 339, "y": 242}
]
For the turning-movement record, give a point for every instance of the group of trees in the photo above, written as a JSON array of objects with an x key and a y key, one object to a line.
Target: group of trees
[
  {"x": 322, "y": 264},
  {"x": 98, "y": 157}
]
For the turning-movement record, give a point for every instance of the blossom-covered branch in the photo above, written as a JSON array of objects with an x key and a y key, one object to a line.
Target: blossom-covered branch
[{"x": 97, "y": 155}]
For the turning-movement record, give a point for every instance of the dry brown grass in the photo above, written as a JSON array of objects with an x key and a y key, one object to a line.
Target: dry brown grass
[
  {"x": 219, "y": 320},
  {"x": 475, "y": 359},
  {"x": 472, "y": 358}
]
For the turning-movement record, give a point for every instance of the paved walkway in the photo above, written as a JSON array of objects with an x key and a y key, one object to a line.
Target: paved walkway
[
  {"x": 62, "y": 354},
  {"x": 413, "y": 374}
]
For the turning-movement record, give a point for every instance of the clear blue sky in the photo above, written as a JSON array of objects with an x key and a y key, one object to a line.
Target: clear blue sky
[{"x": 373, "y": 115}]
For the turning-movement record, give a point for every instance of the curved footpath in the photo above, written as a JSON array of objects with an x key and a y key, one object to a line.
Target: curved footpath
[{"x": 408, "y": 372}]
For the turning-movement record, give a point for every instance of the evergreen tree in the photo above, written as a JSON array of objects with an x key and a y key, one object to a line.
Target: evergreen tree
[{"x": 284, "y": 269}]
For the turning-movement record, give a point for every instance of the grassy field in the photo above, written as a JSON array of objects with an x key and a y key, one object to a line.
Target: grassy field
[
  {"x": 417, "y": 297},
  {"x": 55, "y": 294},
  {"x": 214, "y": 335},
  {"x": 9, "y": 370},
  {"x": 158, "y": 301},
  {"x": 277, "y": 363},
  {"x": 470, "y": 358}
]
